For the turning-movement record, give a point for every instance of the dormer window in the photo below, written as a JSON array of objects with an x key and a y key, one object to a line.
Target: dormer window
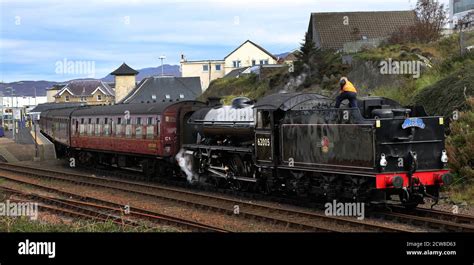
[
  {"x": 181, "y": 95},
  {"x": 99, "y": 97},
  {"x": 167, "y": 96},
  {"x": 153, "y": 96},
  {"x": 66, "y": 98}
]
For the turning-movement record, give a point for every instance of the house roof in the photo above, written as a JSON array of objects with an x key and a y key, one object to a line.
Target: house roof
[
  {"x": 134, "y": 108},
  {"x": 204, "y": 61},
  {"x": 81, "y": 88},
  {"x": 253, "y": 43},
  {"x": 50, "y": 106},
  {"x": 156, "y": 89},
  {"x": 124, "y": 69},
  {"x": 56, "y": 87},
  {"x": 236, "y": 72},
  {"x": 290, "y": 57},
  {"x": 330, "y": 32}
]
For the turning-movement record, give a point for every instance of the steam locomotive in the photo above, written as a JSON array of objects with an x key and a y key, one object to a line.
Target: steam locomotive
[{"x": 292, "y": 143}]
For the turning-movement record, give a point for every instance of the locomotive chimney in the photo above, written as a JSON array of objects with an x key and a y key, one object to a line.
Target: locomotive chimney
[{"x": 214, "y": 101}]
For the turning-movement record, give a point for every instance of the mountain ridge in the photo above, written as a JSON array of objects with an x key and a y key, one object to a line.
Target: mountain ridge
[{"x": 27, "y": 87}]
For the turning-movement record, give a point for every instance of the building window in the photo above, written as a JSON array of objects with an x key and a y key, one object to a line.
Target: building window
[
  {"x": 97, "y": 121},
  {"x": 83, "y": 99},
  {"x": 139, "y": 121},
  {"x": 236, "y": 64},
  {"x": 149, "y": 121},
  {"x": 263, "y": 61},
  {"x": 218, "y": 67},
  {"x": 82, "y": 120},
  {"x": 128, "y": 121},
  {"x": 119, "y": 121},
  {"x": 90, "y": 121},
  {"x": 254, "y": 62},
  {"x": 66, "y": 98},
  {"x": 205, "y": 67},
  {"x": 99, "y": 97}
]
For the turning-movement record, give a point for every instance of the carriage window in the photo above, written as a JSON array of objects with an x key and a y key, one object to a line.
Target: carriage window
[
  {"x": 263, "y": 120},
  {"x": 106, "y": 127},
  {"x": 150, "y": 129},
  {"x": 128, "y": 129},
  {"x": 138, "y": 132}
]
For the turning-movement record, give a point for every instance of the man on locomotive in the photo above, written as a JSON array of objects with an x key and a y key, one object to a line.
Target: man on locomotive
[{"x": 348, "y": 91}]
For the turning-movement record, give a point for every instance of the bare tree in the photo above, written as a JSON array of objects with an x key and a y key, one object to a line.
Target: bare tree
[{"x": 430, "y": 19}]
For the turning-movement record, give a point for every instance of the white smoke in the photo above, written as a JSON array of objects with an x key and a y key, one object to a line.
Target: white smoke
[
  {"x": 185, "y": 162},
  {"x": 294, "y": 82}
]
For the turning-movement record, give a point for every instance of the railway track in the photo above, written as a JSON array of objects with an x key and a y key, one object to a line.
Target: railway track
[
  {"x": 101, "y": 210},
  {"x": 68, "y": 209},
  {"x": 435, "y": 219},
  {"x": 296, "y": 219}
]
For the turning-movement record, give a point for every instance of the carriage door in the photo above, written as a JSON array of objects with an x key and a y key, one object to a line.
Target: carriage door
[{"x": 264, "y": 137}]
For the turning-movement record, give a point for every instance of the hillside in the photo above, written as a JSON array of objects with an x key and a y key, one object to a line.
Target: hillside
[{"x": 27, "y": 88}]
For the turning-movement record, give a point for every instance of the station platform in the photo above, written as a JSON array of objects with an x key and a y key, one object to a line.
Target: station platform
[{"x": 23, "y": 149}]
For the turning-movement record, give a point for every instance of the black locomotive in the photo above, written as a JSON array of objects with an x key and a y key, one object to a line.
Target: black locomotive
[{"x": 298, "y": 143}]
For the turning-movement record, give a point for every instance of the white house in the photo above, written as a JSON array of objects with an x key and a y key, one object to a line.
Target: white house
[{"x": 247, "y": 54}]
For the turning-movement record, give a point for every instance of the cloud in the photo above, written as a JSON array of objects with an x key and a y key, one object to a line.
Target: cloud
[{"x": 36, "y": 34}]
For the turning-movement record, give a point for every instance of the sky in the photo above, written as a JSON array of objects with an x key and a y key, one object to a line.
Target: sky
[{"x": 39, "y": 38}]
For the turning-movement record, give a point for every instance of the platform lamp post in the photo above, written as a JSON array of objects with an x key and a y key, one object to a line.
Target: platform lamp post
[
  {"x": 162, "y": 57},
  {"x": 36, "y": 158},
  {"x": 12, "y": 93}
]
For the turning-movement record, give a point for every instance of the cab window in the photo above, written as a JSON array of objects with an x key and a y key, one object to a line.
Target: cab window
[{"x": 263, "y": 120}]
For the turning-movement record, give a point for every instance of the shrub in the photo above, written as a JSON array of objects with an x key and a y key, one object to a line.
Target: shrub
[{"x": 460, "y": 145}]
